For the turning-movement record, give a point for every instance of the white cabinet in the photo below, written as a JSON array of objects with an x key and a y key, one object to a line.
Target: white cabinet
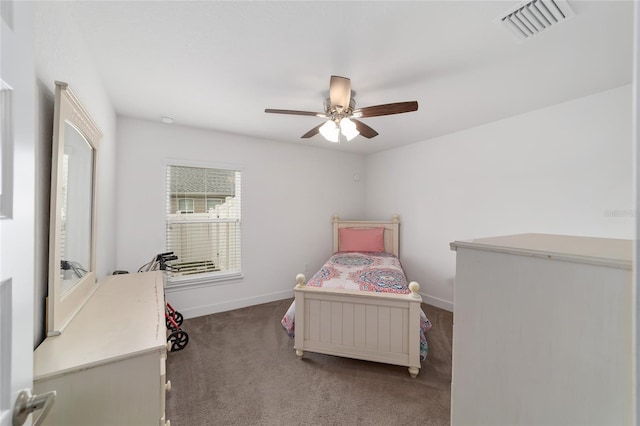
[
  {"x": 108, "y": 366},
  {"x": 543, "y": 331}
]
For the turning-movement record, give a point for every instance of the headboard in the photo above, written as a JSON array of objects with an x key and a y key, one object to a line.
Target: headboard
[{"x": 391, "y": 232}]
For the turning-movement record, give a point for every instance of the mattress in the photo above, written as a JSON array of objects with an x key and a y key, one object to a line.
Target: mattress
[{"x": 363, "y": 271}]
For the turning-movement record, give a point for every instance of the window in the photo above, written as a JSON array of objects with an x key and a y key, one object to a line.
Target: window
[
  {"x": 207, "y": 240},
  {"x": 185, "y": 205}
]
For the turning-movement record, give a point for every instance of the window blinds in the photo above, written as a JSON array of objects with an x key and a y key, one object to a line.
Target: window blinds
[{"x": 203, "y": 221}]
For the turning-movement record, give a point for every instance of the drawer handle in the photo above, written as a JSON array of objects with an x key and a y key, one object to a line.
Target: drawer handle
[{"x": 167, "y": 386}]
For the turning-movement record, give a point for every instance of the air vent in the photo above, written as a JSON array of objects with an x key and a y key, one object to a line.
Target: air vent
[{"x": 533, "y": 18}]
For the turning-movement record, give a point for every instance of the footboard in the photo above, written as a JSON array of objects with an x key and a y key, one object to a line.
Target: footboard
[{"x": 380, "y": 327}]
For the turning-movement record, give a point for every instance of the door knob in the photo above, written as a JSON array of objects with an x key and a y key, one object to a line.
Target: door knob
[{"x": 26, "y": 403}]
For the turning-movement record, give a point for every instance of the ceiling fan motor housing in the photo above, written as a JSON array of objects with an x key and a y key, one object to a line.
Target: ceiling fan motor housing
[{"x": 336, "y": 115}]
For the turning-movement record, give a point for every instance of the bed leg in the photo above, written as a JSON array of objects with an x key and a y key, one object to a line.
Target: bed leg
[
  {"x": 299, "y": 353},
  {"x": 413, "y": 372}
]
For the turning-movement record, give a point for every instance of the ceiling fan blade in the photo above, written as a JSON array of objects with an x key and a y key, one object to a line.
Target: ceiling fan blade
[
  {"x": 339, "y": 92},
  {"x": 364, "y": 130},
  {"x": 386, "y": 109},
  {"x": 293, "y": 112},
  {"x": 312, "y": 132}
]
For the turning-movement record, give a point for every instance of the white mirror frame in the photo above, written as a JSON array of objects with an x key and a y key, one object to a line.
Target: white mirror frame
[{"x": 63, "y": 306}]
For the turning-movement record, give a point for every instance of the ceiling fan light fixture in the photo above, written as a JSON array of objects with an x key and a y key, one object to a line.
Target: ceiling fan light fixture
[
  {"x": 348, "y": 128},
  {"x": 340, "y": 106},
  {"x": 330, "y": 131}
]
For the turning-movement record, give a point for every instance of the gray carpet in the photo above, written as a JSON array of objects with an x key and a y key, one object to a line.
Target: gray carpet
[{"x": 240, "y": 368}]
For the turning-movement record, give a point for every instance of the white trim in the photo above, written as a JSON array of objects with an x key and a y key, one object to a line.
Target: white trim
[
  {"x": 195, "y": 219},
  {"x": 202, "y": 164},
  {"x": 437, "y": 302},
  {"x": 6, "y": 319},
  {"x": 178, "y": 283},
  {"x": 6, "y": 151},
  {"x": 232, "y": 304}
]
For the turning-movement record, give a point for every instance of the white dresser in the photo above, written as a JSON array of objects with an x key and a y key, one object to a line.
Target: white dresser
[
  {"x": 543, "y": 331},
  {"x": 108, "y": 366}
]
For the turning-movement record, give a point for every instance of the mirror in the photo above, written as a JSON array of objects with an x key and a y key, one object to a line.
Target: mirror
[
  {"x": 72, "y": 277},
  {"x": 76, "y": 190}
]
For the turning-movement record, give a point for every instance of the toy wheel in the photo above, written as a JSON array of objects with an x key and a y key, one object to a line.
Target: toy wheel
[
  {"x": 170, "y": 326},
  {"x": 178, "y": 340},
  {"x": 178, "y": 318}
]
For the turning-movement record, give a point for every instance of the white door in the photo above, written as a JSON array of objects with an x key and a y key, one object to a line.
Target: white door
[{"x": 17, "y": 199}]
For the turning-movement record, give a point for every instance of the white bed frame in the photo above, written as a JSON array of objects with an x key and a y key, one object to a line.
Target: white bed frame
[{"x": 380, "y": 327}]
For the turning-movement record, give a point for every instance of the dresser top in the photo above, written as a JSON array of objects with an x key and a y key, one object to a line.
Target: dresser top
[
  {"x": 592, "y": 250},
  {"x": 122, "y": 319}
]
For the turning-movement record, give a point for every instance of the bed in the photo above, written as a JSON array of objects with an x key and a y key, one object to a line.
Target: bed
[{"x": 359, "y": 305}]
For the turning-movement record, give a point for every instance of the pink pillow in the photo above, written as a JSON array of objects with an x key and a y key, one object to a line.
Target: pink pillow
[{"x": 361, "y": 239}]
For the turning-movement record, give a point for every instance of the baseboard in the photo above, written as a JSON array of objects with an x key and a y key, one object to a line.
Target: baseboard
[
  {"x": 272, "y": 297},
  {"x": 235, "y": 304},
  {"x": 436, "y": 301}
]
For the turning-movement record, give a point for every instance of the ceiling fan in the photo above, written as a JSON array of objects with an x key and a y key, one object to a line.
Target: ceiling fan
[{"x": 341, "y": 115}]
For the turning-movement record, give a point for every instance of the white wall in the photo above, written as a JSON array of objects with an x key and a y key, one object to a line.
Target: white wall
[
  {"x": 564, "y": 169},
  {"x": 17, "y": 170},
  {"x": 60, "y": 54},
  {"x": 289, "y": 194}
]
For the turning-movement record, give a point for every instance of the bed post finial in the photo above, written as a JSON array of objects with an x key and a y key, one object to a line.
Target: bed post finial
[
  {"x": 415, "y": 288},
  {"x": 300, "y": 278},
  {"x": 335, "y": 218},
  {"x": 395, "y": 218}
]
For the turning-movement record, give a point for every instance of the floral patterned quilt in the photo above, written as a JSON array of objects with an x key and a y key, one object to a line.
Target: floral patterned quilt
[{"x": 379, "y": 272}]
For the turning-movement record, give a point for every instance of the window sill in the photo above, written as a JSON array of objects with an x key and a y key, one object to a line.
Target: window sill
[{"x": 186, "y": 283}]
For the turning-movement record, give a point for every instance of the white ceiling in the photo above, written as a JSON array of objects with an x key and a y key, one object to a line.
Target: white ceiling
[{"x": 218, "y": 65}]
